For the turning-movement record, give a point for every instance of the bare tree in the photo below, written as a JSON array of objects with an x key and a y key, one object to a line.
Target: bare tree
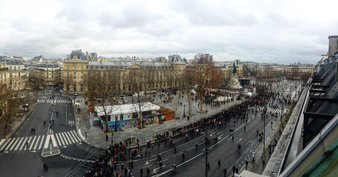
[
  {"x": 188, "y": 86},
  {"x": 294, "y": 73},
  {"x": 137, "y": 82},
  {"x": 102, "y": 91},
  {"x": 8, "y": 107},
  {"x": 35, "y": 84},
  {"x": 206, "y": 76}
]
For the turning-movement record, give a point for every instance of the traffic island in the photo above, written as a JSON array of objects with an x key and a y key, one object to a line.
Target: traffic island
[{"x": 50, "y": 147}]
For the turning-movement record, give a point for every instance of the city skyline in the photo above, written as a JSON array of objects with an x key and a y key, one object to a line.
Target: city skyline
[{"x": 282, "y": 32}]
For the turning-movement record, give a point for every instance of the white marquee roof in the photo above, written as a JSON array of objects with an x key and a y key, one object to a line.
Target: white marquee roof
[{"x": 126, "y": 108}]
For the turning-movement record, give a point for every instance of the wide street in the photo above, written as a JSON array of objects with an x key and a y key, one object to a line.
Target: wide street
[
  {"x": 224, "y": 150},
  {"x": 21, "y": 154},
  {"x": 57, "y": 144}
]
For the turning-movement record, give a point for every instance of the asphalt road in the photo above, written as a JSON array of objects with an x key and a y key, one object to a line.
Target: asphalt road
[
  {"x": 225, "y": 150},
  {"x": 18, "y": 159}
]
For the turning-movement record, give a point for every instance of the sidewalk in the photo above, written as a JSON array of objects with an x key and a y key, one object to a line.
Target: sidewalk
[
  {"x": 16, "y": 124},
  {"x": 258, "y": 166},
  {"x": 94, "y": 136}
]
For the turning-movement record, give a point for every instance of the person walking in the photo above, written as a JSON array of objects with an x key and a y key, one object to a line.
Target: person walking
[
  {"x": 148, "y": 172},
  {"x": 225, "y": 172},
  {"x": 141, "y": 172},
  {"x": 45, "y": 167},
  {"x": 219, "y": 163},
  {"x": 183, "y": 157}
]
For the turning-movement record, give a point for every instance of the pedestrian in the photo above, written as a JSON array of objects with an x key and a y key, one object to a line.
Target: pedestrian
[
  {"x": 219, "y": 163},
  {"x": 175, "y": 149},
  {"x": 86, "y": 134},
  {"x": 107, "y": 138},
  {"x": 183, "y": 157},
  {"x": 208, "y": 166},
  {"x": 53, "y": 121},
  {"x": 196, "y": 147},
  {"x": 125, "y": 171},
  {"x": 141, "y": 172},
  {"x": 44, "y": 167},
  {"x": 160, "y": 164},
  {"x": 233, "y": 170},
  {"x": 225, "y": 172},
  {"x": 148, "y": 171}
]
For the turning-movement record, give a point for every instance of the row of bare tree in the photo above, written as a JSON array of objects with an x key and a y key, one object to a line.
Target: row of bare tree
[
  {"x": 105, "y": 87},
  {"x": 8, "y": 108}
]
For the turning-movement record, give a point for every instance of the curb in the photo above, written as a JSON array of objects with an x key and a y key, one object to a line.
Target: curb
[
  {"x": 78, "y": 130},
  {"x": 141, "y": 145},
  {"x": 20, "y": 124},
  {"x": 84, "y": 140},
  {"x": 76, "y": 159}
]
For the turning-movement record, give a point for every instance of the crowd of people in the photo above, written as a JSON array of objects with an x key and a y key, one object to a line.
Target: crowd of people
[{"x": 119, "y": 153}]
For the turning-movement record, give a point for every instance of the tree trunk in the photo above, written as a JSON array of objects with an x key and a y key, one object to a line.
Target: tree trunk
[
  {"x": 190, "y": 103},
  {"x": 139, "y": 108}
]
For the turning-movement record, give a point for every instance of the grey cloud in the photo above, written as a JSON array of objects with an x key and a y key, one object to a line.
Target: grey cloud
[{"x": 227, "y": 29}]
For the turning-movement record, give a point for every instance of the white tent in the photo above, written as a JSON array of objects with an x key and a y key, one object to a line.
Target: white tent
[
  {"x": 222, "y": 99},
  {"x": 248, "y": 94},
  {"x": 126, "y": 108}
]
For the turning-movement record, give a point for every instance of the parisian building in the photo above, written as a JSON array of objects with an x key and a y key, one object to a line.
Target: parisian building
[{"x": 147, "y": 74}]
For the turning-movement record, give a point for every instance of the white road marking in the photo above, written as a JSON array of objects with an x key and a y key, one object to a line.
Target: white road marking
[
  {"x": 15, "y": 143},
  {"x": 32, "y": 143},
  {"x": 239, "y": 140},
  {"x": 70, "y": 137},
  {"x": 29, "y": 139},
  {"x": 63, "y": 136},
  {"x": 9, "y": 140},
  {"x": 23, "y": 143},
  {"x": 37, "y": 142},
  {"x": 46, "y": 142},
  {"x": 60, "y": 141},
  {"x": 75, "y": 135},
  {"x": 53, "y": 141}
]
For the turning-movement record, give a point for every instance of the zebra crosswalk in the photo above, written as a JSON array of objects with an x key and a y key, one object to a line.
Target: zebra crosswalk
[
  {"x": 67, "y": 138},
  {"x": 37, "y": 142},
  {"x": 29, "y": 143}
]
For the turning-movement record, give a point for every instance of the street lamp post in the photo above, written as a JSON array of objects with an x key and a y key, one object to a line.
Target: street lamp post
[
  {"x": 206, "y": 148},
  {"x": 206, "y": 152},
  {"x": 264, "y": 137},
  {"x": 130, "y": 157}
]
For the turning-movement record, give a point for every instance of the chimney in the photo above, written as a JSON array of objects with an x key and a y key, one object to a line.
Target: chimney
[
  {"x": 336, "y": 70},
  {"x": 333, "y": 45}
]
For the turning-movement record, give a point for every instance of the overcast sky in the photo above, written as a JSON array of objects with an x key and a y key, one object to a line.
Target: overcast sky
[{"x": 281, "y": 31}]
